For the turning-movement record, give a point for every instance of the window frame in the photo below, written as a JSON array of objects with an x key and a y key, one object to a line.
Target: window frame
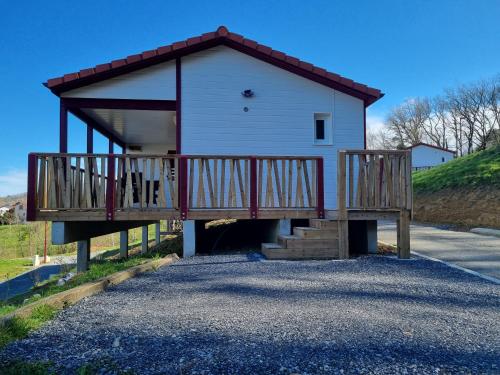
[{"x": 327, "y": 129}]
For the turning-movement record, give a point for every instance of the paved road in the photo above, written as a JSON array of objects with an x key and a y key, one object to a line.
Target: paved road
[
  {"x": 469, "y": 250},
  {"x": 240, "y": 314}
]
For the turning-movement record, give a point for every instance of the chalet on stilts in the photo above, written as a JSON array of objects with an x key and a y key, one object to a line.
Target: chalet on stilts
[{"x": 220, "y": 126}]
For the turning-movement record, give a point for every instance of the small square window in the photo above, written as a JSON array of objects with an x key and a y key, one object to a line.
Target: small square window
[{"x": 322, "y": 129}]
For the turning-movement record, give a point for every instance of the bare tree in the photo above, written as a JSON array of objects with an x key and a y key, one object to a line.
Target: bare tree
[{"x": 407, "y": 121}]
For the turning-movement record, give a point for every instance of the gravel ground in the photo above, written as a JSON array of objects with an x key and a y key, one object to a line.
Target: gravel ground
[{"x": 240, "y": 314}]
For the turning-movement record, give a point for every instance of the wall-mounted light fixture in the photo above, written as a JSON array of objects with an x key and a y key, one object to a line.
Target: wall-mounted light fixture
[{"x": 248, "y": 93}]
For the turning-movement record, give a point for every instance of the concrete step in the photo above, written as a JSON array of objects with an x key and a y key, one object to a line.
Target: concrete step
[
  {"x": 324, "y": 224},
  {"x": 315, "y": 233},
  {"x": 269, "y": 246},
  {"x": 295, "y": 242},
  {"x": 299, "y": 254}
]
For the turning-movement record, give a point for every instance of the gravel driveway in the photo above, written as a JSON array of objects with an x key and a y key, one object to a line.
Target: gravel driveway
[{"x": 241, "y": 314}]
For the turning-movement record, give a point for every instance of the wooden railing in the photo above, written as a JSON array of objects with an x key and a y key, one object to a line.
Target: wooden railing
[
  {"x": 374, "y": 180},
  {"x": 181, "y": 183}
]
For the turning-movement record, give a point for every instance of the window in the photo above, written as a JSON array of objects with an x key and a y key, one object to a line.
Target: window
[
  {"x": 322, "y": 129},
  {"x": 442, "y": 159}
]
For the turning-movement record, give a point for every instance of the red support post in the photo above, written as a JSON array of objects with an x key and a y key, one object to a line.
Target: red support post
[
  {"x": 110, "y": 189},
  {"x": 321, "y": 189},
  {"x": 254, "y": 209},
  {"x": 90, "y": 140},
  {"x": 31, "y": 195},
  {"x": 183, "y": 186},
  {"x": 111, "y": 147},
  {"x": 63, "y": 128}
]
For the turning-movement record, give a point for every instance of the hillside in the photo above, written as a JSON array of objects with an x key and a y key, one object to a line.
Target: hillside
[
  {"x": 471, "y": 171},
  {"x": 11, "y": 199},
  {"x": 465, "y": 191}
]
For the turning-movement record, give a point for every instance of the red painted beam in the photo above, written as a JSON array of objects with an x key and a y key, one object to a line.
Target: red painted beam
[
  {"x": 254, "y": 209},
  {"x": 321, "y": 189},
  {"x": 31, "y": 195},
  {"x": 90, "y": 140},
  {"x": 63, "y": 128},
  {"x": 133, "y": 104},
  {"x": 183, "y": 185},
  {"x": 110, "y": 189},
  {"x": 178, "y": 102}
]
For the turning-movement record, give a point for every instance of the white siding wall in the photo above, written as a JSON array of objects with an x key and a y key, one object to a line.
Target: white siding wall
[
  {"x": 280, "y": 116},
  {"x": 424, "y": 156},
  {"x": 156, "y": 82}
]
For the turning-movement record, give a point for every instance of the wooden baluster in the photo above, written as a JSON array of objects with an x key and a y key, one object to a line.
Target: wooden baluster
[
  {"x": 129, "y": 189},
  {"x": 52, "y": 183},
  {"x": 371, "y": 181},
  {"x": 283, "y": 183},
  {"x": 144, "y": 188},
  {"x": 138, "y": 186},
  {"x": 240, "y": 184},
  {"x": 299, "y": 194},
  {"x": 160, "y": 199},
  {"x": 278, "y": 184},
  {"x": 88, "y": 188},
  {"x": 308, "y": 186},
  {"x": 42, "y": 179},
  {"x": 351, "y": 180},
  {"x": 102, "y": 196},
  {"x": 95, "y": 182},
  {"x": 69, "y": 189},
  {"x": 395, "y": 180},
  {"x": 222, "y": 182},
  {"x": 152, "y": 170},
  {"x": 191, "y": 181},
  {"x": 201, "y": 201},
  {"x": 290, "y": 182},
  {"x": 269, "y": 185},
  {"x": 216, "y": 183},
  {"x": 377, "y": 181},
  {"x": 259, "y": 184},
  {"x": 232, "y": 185},
  {"x": 119, "y": 177},
  {"x": 170, "y": 180},
  {"x": 210, "y": 184},
  {"x": 247, "y": 183},
  {"x": 388, "y": 181}
]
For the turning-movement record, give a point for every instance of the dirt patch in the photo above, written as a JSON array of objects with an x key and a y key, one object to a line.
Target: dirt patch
[{"x": 462, "y": 207}]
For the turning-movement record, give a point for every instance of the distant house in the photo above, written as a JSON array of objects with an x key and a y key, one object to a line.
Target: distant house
[
  {"x": 424, "y": 156},
  {"x": 18, "y": 213}
]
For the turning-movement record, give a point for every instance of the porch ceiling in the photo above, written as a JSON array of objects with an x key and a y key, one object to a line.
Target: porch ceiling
[{"x": 136, "y": 127}]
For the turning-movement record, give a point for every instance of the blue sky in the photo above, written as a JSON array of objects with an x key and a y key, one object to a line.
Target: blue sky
[{"x": 405, "y": 48}]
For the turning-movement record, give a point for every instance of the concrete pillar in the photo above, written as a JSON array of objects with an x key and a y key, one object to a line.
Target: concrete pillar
[
  {"x": 157, "y": 233},
  {"x": 285, "y": 227},
  {"x": 189, "y": 238},
  {"x": 82, "y": 257},
  {"x": 371, "y": 236},
  {"x": 124, "y": 244},
  {"x": 144, "y": 244}
]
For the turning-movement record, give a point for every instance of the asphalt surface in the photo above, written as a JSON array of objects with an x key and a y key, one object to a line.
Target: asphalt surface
[
  {"x": 477, "y": 252},
  {"x": 240, "y": 314}
]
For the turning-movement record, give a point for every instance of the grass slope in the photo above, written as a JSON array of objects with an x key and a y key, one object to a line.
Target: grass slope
[
  {"x": 471, "y": 171},
  {"x": 13, "y": 267}
]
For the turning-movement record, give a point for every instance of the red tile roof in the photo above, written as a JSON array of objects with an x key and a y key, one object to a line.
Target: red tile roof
[{"x": 208, "y": 40}]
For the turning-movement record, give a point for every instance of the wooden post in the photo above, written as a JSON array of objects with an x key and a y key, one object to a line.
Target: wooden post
[
  {"x": 320, "y": 198},
  {"x": 403, "y": 228},
  {"x": 110, "y": 189},
  {"x": 341, "y": 207},
  {"x": 31, "y": 195},
  {"x": 144, "y": 242},
  {"x": 254, "y": 209},
  {"x": 110, "y": 146},
  {"x": 124, "y": 244},
  {"x": 82, "y": 256}
]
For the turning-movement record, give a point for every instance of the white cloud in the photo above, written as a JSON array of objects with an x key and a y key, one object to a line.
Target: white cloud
[
  {"x": 13, "y": 182},
  {"x": 374, "y": 123}
]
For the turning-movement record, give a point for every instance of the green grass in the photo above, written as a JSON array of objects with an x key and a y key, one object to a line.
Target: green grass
[
  {"x": 13, "y": 267},
  {"x": 471, "y": 171},
  {"x": 19, "y": 327}
]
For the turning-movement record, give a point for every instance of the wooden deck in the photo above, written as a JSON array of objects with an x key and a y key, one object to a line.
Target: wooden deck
[{"x": 371, "y": 185}]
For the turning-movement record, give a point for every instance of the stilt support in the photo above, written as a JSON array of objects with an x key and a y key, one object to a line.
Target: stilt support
[
  {"x": 343, "y": 239},
  {"x": 144, "y": 245},
  {"x": 124, "y": 244},
  {"x": 82, "y": 255},
  {"x": 403, "y": 228},
  {"x": 157, "y": 233}
]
